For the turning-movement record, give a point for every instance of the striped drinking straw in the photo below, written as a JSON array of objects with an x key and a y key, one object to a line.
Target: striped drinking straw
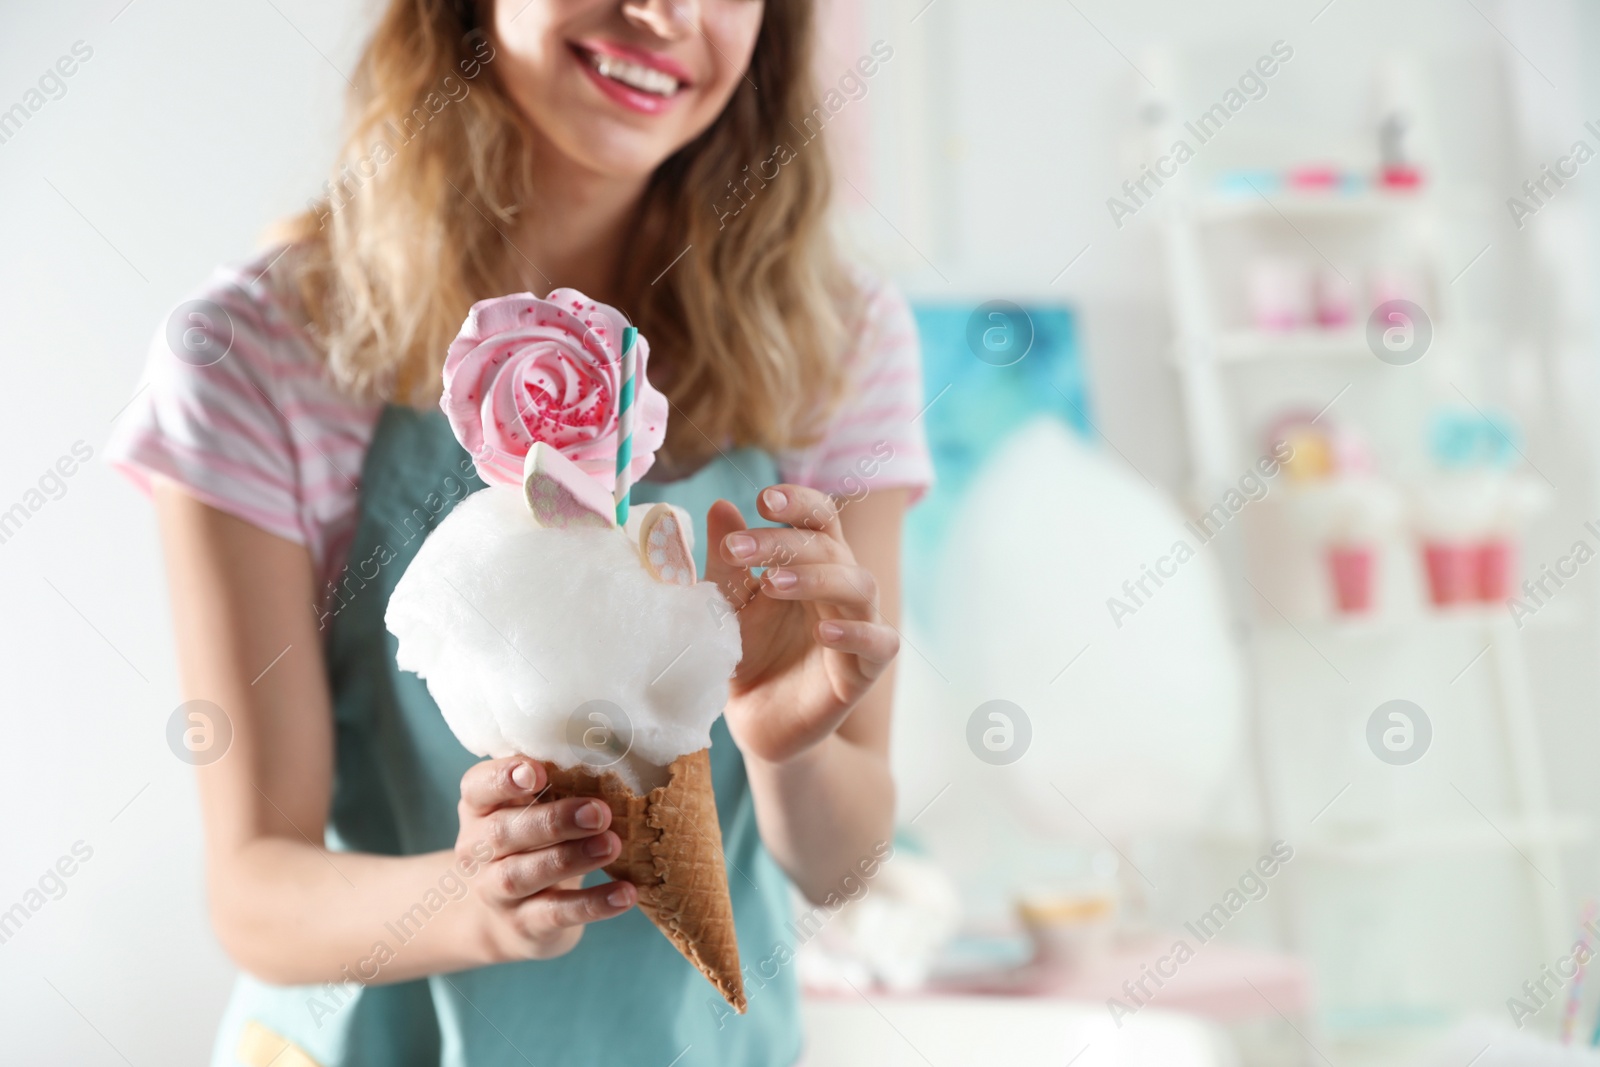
[{"x": 630, "y": 366}]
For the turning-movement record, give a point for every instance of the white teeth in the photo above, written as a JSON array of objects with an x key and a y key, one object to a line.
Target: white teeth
[{"x": 634, "y": 75}]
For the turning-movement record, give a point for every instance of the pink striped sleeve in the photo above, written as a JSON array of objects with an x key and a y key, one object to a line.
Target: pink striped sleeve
[
  {"x": 197, "y": 426},
  {"x": 241, "y": 413},
  {"x": 876, "y": 439}
]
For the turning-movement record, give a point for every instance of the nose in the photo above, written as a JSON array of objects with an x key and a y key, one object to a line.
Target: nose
[{"x": 670, "y": 20}]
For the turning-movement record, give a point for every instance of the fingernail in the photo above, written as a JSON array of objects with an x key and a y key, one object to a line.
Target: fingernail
[
  {"x": 831, "y": 631},
  {"x": 782, "y": 579},
  {"x": 589, "y": 817},
  {"x": 740, "y": 544},
  {"x": 522, "y": 776},
  {"x": 618, "y": 897},
  {"x": 598, "y": 846},
  {"x": 776, "y": 499}
]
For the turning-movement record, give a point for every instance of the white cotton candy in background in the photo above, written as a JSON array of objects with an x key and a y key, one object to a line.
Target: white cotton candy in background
[{"x": 516, "y": 628}]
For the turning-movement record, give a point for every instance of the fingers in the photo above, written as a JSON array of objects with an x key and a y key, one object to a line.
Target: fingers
[
  {"x": 523, "y": 874},
  {"x": 801, "y": 507},
  {"x": 731, "y": 577},
  {"x": 851, "y": 588},
  {"x": 557, "y": 909},
  {"x": 814, "y": 534},
  {"x": 767, "y": 546},
  {"x": 495, "y": 783},
  {"x": 536, "y": 826},
  {"x": 874, "y": 644}
]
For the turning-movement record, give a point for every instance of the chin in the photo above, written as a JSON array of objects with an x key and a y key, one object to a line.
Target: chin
[{"x": 613, "y": 152}]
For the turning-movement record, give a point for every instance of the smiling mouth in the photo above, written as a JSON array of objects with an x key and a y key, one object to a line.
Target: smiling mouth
[{"x": 635, "y": 76}]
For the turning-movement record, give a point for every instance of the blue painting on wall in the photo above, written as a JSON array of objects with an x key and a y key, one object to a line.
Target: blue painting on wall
[{"x": 974, "y": 404}]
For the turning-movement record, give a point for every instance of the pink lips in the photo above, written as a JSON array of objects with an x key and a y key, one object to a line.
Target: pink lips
[{"x": 627, "y": 96}]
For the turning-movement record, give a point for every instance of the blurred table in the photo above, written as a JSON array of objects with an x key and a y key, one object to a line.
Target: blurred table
[
  {"x": 1050, "y": 1014},
  {"x": 1224, "y": 982},
  {"x": 868, "y": 1030}
]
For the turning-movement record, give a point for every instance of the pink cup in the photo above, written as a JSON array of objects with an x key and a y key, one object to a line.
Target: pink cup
[
  {"x": 1278, "y": 291},
  {"x": 1452, "y": 572},
  {"x": 1496, "y": 569},
  {"x": 1352, "y": 567},
  {"x": 1335, "y": 300}
]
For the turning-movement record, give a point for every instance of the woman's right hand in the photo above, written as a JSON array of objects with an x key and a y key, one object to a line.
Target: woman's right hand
[{"x": 530, "y": 890}]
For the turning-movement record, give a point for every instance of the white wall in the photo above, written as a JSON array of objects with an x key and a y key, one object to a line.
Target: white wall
[
  {"x": 191, "y": 126},
  {"x": 194, "y": 124}
]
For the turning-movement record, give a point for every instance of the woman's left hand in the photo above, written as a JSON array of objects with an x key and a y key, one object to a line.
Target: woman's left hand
[{"x": 813, "y": 639}]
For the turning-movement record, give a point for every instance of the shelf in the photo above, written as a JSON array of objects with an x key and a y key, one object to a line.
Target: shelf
[
  {"x": 1237, "y": 346},
  {"x": 1466, "y": 617},
  {"x": 1365, "y": 206},
  {"x": 1348, "y": 344}
]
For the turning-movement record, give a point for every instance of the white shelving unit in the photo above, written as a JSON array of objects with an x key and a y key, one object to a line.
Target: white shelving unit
[{"x": 1213, "y": 356}]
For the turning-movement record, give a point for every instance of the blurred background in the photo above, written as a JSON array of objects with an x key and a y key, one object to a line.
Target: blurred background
[{"x": 1246, "y": 709}]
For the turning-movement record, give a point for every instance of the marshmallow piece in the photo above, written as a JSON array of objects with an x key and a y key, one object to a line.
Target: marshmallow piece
[
  {"x": 665, "y": 537},
  {"x": 560, "y": 494}
]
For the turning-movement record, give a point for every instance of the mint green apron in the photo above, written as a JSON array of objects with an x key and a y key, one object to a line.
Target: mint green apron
[{"x": 624, "y": 996}]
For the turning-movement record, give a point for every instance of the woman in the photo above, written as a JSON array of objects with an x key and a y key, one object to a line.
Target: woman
[{"x": 392, "y": 900}]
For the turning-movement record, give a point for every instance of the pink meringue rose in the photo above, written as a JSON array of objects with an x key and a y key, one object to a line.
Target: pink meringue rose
[{"x": 525, "y": 369}]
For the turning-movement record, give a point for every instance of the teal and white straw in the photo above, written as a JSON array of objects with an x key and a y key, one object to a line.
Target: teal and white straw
[{"x": 630, "y": 367}]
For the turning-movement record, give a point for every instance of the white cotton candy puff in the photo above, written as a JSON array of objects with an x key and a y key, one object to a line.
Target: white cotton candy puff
[{"x": 518, "y": 629}]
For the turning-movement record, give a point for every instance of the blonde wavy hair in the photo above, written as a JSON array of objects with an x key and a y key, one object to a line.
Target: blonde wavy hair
[{"x": 747, "y": 329}]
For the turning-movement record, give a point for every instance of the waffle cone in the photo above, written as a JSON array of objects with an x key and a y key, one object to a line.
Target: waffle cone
[{"x": 672, "y": 853}]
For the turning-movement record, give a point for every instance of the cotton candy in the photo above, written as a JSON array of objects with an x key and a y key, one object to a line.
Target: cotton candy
[{"x": 526, "y": 634}]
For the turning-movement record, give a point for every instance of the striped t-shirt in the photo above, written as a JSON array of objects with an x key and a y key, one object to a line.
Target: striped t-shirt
[{"x": 237, "y": 407}]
